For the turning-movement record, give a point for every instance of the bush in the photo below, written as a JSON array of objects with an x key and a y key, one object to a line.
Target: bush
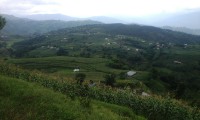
[
  {"x": 80, "y": 77},
  {"x": 110, "y": 79}
]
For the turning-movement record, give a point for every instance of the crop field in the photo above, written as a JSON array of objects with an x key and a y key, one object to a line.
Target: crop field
[
  {"x": 94, "y": 68},
  {"x": 153, "y": 108}
]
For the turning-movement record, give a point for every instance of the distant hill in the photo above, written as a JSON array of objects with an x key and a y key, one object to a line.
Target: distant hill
[
  {"x": 144, "y": 32},
  {"x": 179, "y": 20},
  {"x": 51, "y": 17},
  {"x": 183, "y": 29},
  {"x": 24, "y": 26},
  {"x": 101, "y": 37},
  {"x": 189, "y": 20},
  {"x": 104, "y": 19}
]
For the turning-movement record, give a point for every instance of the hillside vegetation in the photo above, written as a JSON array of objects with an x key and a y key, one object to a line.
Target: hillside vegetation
[
  {"x": 91, "y": 40},
  {"x": 21, "y": 100},
  {"x": 150, "y": 107},
  {"x": 166, "y": 63}
]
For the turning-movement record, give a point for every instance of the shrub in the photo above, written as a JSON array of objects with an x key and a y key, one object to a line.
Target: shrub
[{"x": 110, "y": 79}]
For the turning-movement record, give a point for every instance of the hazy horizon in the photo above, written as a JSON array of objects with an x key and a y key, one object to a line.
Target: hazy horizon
[
  {"x": 89, "y": 8},
  {"x": 153, "y": 12}
]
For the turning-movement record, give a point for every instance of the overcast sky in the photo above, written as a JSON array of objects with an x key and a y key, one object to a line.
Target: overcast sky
[{"x": 87, "y": 8}]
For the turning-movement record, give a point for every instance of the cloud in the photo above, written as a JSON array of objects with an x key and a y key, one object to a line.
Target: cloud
[
  {"x": 20, "y": 7},
  {"x": 83, "y": 8}
]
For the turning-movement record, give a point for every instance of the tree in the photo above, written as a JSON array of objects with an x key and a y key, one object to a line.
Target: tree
[
  {"x": 62, "y": 52},
  {"x": 122, "y": 75},
  {"x": 2, "y": 22},
  {"x": 110, "y": 79},
  {"x": 80, "y": 77},
  {"x": 153, "y": 74}
]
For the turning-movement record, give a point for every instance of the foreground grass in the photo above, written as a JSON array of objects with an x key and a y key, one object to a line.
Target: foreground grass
[{"x": 21, "y": 100}]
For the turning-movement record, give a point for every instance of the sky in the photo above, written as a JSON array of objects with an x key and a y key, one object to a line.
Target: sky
[{"x": 88, "y": 8}]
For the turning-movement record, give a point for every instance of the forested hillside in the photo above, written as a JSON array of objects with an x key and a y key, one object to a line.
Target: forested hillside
[{"x": 105, "y": 36}]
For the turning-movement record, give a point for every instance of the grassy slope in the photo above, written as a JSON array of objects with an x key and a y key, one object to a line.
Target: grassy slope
[{"x": 21, "y": 100}]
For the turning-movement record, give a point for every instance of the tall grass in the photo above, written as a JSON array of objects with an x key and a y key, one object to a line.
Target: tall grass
[
  {"x": 22, "y": 100},
  {"x": 154, "y": 108}
]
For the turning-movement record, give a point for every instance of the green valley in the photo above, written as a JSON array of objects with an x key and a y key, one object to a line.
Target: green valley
[{"x": 82, "y": 71}]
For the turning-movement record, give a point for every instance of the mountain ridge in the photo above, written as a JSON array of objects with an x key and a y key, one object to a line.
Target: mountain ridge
[
  {"x": 183, "y": 29},
  {"x": 188, "y": 19},
  {"x": 61, "y": 17},
  {"x": 23, "y": 26},
  {"x": 101, "y": 35},
  {"x": 99, "y": 19}
]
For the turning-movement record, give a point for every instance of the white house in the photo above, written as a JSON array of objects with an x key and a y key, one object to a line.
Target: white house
[
  {"x": 76, "y": 70},
  {"x": 177, "y": 62},
  {"x": 145, "y": 94},
  {"x": 130, "y": 73}
]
